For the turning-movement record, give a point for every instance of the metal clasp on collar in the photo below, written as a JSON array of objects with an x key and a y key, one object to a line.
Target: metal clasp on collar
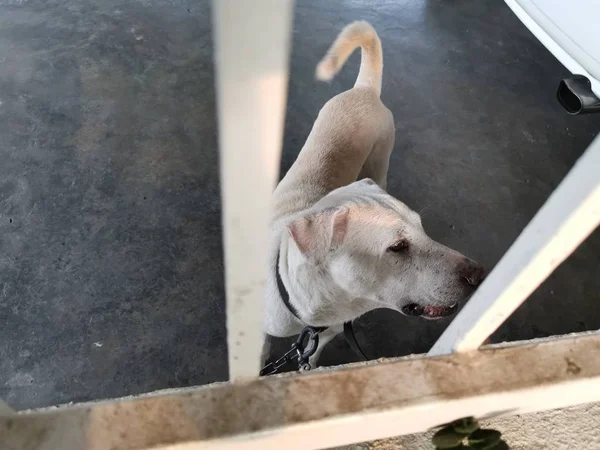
[{"x": 304, "y": 347}]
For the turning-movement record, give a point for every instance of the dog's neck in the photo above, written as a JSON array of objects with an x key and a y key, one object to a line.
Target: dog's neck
[{"x": 313, "y": 293}]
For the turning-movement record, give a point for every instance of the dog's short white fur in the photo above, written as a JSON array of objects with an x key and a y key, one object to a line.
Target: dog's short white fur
[{"x": 347, "y": 247}]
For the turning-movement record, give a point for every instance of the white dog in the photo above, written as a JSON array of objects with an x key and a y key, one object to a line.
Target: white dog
[{"x": 342, "y": 247}]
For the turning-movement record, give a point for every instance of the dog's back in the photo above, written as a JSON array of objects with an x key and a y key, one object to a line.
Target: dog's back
[{"x": 347, "y": 129}]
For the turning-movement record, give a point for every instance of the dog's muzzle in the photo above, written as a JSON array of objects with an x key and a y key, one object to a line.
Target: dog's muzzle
[{"x": 429, "y": 312}]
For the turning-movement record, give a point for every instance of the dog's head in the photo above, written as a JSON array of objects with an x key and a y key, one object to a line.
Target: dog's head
[{"x": 373, "y": 248}]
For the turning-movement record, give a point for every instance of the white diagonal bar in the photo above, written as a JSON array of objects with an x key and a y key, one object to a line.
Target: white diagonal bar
[
  {"x": 251, "y": 57},
  {"x": 570, "y": 214}
]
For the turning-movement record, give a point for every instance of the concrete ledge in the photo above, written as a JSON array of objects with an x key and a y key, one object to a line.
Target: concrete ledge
[{"x": 327, "y": 408}]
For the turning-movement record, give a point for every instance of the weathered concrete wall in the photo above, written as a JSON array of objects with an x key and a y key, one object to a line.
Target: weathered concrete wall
[{"x": 562, "y": 429}]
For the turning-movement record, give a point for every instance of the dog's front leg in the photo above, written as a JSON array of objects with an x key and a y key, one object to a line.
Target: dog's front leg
[{"x": 325, "y": 338}]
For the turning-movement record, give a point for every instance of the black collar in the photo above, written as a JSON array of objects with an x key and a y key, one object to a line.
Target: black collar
[{"x": 285, "y": 296}]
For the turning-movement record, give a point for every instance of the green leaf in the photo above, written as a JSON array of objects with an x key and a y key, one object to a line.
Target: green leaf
[
  {"x": 501, "y": 446},
  {"x": 466, "y": 425},
  {"x": 484, "y": 439},
  {"x": 447, "y": 438}
]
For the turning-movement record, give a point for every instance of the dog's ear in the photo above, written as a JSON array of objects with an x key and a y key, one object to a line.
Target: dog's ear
[{"x": 316, "y": 233}]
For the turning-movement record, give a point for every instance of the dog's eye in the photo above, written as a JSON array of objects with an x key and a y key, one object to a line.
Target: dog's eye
[{"x": 399, "y": 246}]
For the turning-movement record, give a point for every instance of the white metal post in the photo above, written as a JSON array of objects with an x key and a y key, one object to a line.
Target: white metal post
[
  {"x": 570, "y": 214},
  {"x": 251, "y": 56}
]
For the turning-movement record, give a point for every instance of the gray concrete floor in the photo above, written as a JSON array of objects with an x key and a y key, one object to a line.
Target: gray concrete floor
[{"x": 110, "y": 242}]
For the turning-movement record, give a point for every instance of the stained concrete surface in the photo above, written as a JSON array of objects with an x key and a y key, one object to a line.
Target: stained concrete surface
[
  {"x": 561, "y": 429},
  {"x": 111, "y": 270}
]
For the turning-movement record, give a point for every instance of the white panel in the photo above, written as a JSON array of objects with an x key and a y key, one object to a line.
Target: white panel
[
  {"x": 569, "y": 33},
  {"x": 570, "y": 214},
  {"x": 251, "y": 55}
]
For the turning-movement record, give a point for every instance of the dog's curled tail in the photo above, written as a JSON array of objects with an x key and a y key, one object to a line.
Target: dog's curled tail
[{"x": 357, "y": 34}]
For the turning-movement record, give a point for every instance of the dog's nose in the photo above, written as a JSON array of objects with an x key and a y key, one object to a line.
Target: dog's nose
[{"x": 471, "y": 271}]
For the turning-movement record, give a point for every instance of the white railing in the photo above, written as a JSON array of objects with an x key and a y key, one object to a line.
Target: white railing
[
  {"x": 251, "y": 56},
  {"x": 358, "y": 402},
  {"x": 569, "y": 216},
  {"x": 322, "y": 409}
]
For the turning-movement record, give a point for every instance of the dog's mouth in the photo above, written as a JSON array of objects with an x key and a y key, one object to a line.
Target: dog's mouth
[{"x": 429, "y": 312}]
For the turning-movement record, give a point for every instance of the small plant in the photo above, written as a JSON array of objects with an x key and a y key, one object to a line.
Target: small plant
[{"x": 465, "y": 434}]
